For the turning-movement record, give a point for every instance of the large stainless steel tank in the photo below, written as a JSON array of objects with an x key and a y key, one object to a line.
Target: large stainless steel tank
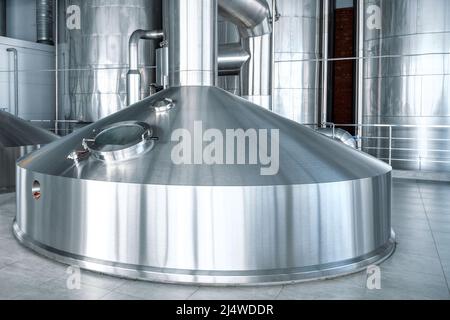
[
  {"x": 17, "y": 138},
  {"x": 94, "y": 59},
  {"x": 410, "y": 88},
  {"x": 125, "y": 207},
  {"x": 297, "y": 60}
]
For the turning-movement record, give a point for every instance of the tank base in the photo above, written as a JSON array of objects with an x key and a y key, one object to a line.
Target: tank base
[{"x": 212, "y": 278}]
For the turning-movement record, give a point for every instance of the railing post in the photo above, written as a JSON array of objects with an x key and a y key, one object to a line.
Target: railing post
[{"x": 390, "y": 145}]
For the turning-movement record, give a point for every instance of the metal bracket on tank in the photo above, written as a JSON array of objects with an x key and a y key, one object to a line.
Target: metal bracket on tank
[
  {"x": 79, "y": 155},
  {"x": 163, "y": 105}
]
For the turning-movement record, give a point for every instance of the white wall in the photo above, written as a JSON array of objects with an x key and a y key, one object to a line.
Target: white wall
[{"x": 36, "y": 80}]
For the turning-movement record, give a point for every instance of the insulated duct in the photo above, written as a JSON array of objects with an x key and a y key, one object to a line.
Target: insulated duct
[
  {"x": 251, "y": 16},
  {"x": 231, "y": 58},
  {"x": 254, "y": 21},
  {"x": 44, "y": 21}
]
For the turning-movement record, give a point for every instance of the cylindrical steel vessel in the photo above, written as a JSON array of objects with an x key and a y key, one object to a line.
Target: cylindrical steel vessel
[
  {"x": 2, "y": 18},
  {"x": 93, "y": 54},
  {"x": 191, "y": 31},
  {"x": 411, "y": 87},
  {"x": 44, "y": 21},
  {"x": 149, "y": 218},
  {"x": 141, "y": 207},
  {"x": 297, "y": 66},
  {"x": 256, "y": 76}
]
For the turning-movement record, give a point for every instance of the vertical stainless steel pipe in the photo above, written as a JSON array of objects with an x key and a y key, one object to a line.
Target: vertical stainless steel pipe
[
  {"x": 44, "y": 21},
  {"x": 16, "y": 80},
  {"x": 256, "y": 75},
  {"x": 134, "y": 75},
  {"x": 325, "y": 65},
  {"x": 359, "y": 65},
  {"x": 191, "y": 30},
  {"x": 2, "y": 18}
]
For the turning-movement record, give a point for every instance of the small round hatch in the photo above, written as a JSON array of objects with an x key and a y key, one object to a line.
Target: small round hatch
[{"x": 121, "y": 141}]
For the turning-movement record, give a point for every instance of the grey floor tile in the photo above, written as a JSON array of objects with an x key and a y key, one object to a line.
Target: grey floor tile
[
  {"x": 438, "y": 217},
  {"x": 417, "y": 247},
  {"x": 6, "y": 227},
  {"x": 237, "y": 293},
  {"x": 443, "y": 250},
  {"x": 154, "y": 291},
  {"x": 57, "y": 290},
  {"x": 118, "y": 296},
  {"x": 436, "y": 206},
  {"x": 11, "y": 287},
  {"x": 101, "y": 281},
  {"x": 400, "y": 284},
  {"x": 32, "y": 275},
  {"x": 407, "y": 234},
  {"x": 329, "y": 289},
  {"x": 405, "y": 262},
  {"x": 440, "y": 226},
  {"x": 410, "y": 223},
  {"x": 12, "y": 249},
  {"x": 442, "y": 238}
]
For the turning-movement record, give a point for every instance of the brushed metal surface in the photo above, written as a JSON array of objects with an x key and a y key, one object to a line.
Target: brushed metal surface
[
  {"x": 413, "y": 87},
  {"x": 340, "y": 135},
  {"x": 191, "y": 30},
  {"x": 149, "y": 218},
  {"x": 93, "y": 61},
  {"x": 253, "y": 17},
  {"x": 17, "y": 138},
  {"x": 231, "y": 58},
  {"x": 238, "y": 25},
  {"x": 134, "y": 77},
  {"x": 8, "y": 158},
  {"x": 297, "y": 71},
  {"x": 256, "y": 76},
  {"x": 228, "y": 33}
]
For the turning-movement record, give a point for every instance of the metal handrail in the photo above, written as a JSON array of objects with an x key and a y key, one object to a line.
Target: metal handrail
[{"x": 391, "y": 139}]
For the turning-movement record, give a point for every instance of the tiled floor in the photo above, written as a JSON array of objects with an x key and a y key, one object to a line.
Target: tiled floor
[{"x": 420, "y": 268}]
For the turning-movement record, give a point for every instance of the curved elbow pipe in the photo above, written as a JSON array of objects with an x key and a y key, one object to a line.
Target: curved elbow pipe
[
  {"x": 231, "y": 59},
  {"x": 134, "y": 75},
  {"x": 133, "y": 46},
  {"x": 253, "y": 17},
  {"x": 340, "y": 135}
]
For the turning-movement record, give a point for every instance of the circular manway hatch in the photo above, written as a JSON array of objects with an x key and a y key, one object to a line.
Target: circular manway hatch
[{"x": 121, "y": 141}]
